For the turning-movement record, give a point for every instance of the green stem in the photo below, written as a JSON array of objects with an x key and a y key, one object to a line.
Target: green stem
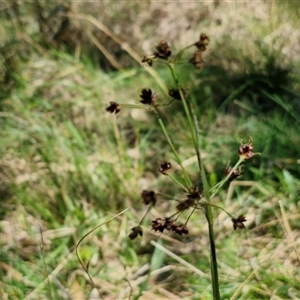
[
  {"x": 167, "y": 196},
  {"x": 178, "y": 182},
  {"x": 87, "y": 234},
  {"x": 216, "y": 206},
  {"x": 217, "y": 187},
  {"x": 187, "y": 112},
  {"x": 190, "y": 216},
  {"x": 137, "y": 106},
  {"x": 181, "y": 52},
  {"x": 177, "y": 213},
  {"x": 178, "y": 160},
  {"x": 194, "y": 129},
  {"x": 213, "y": 254},
  {"x": 148, "y": 210}
]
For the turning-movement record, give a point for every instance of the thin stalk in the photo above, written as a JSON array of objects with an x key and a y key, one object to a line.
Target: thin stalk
[
  {"x": 209, "y": 218},
  {"x": 217, "y": 187},
  {"x": 178, "y": 160},
  {"x": 185, "y": 106},
  {"x": 213, "y": 254},
  {"x": 216, "y": 206},
  {"x": 181, "y": 52},
  {"x": 178, "y": 214},
  {"x": 187, "y": 112},
  {"x": 194, "y": 129},
  {"x": 133, "y": 106},
  {"x": 178, "y": 182},
  {"x": 42, "y": 245},
  {"x": 146, "y": 213},
  {"x": 119, "y": 141},
  {"x": 190, "y": 216},
  {"x": 170, "y": 197},
  {"x": 85, "y": 268}
]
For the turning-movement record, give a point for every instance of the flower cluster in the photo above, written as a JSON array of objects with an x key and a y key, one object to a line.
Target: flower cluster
[
  {"x": 149, "y": 197},
  {"x": 165, "y": 167},
  {"x": 135, "y": 232},
  {"x": 246, "y": 150},
  {"x": 239, "y": 222},
  {"x": 194, "y": 199},
  {"x": 201, "y": 45},
  {"x": 162, "y": 50},
  {"x": 147, "y": 96},
  {"x": 170, "y": 225},
  {"x": 203, "y": 42},
  {"x": 113, "y": 108}
]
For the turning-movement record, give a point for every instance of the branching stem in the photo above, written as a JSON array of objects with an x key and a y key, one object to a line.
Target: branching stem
[{"x": 194, "y": 130}]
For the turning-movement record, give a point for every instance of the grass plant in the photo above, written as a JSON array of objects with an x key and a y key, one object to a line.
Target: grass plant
[
  {"x": 198, "y": 194},
  {"x": 67, "y": 167}
]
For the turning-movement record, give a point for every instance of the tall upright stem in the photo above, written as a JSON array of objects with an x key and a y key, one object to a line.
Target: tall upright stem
[
  {"x": 213, "y": 254},
  {"x": 194, "y": 129}
]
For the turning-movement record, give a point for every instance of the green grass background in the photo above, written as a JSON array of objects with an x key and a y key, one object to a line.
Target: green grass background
[{"x": 67, "y": 165}]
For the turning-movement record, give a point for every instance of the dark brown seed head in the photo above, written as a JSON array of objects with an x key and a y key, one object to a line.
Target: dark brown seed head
[
  {"x": 164, "y": 167},
  {"x": 239, "y": 222},
  {"x": 203, "y": 42},
  {"x": 135, "y": 232},
  {"x": 175, "y": 94},
  {"x": 204, "y": 39},
  {"x": 170, "y": 224},
  {"x": 149, "y": 197},
  {"x": 194, "y": 194},
  {"x": 147, "y": 96},
  {"x": 113, "y": 108},
  {"x": 197, "y": 60},
  {"x": 158, "y": 225},
  {"x": 162, "y": 50},
  {"x": 181, "y": 229}
]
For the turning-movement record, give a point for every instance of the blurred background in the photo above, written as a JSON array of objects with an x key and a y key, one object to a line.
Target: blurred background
[{"x": 67, "y": 165}]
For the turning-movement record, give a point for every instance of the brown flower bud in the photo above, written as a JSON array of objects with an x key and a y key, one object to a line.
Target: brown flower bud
[
  {"x": 149, "y": 197},
  {"x": 135, "y": 232},
  {"x": 113, "y": 107},
  {"x": 197, "y": 60},
  {"x": 246, "y": 150},
  {"x": 170, "y": 224},
  {"x": 203, "y": 42},
  {"x": 239, "y": 222},
  {"x": 147, "y": 96},
  {"x": 162, "y": 50},
  {"x": 181, "y": 229},
  {"x": 158, "y": 225},
  {"x": 164, "y": 167}
]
